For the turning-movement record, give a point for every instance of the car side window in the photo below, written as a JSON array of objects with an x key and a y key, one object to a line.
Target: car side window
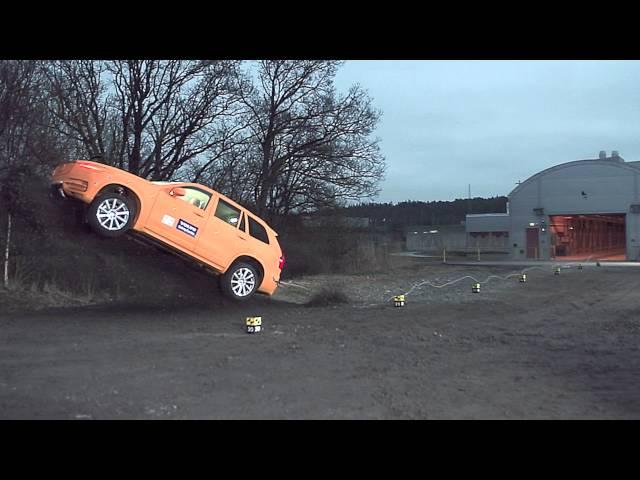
[
  {"x": 227, "y": 213},
  {"x": 258, "y": 231},
  {"x": 195, "y": 197}
]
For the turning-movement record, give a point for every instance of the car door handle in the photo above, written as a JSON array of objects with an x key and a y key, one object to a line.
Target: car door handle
[
  {"x": 200, "y": 214},
  {"x": 241, "y": 237}
]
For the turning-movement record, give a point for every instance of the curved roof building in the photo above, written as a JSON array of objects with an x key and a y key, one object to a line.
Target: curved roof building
[{"x": 585, "y": 209}]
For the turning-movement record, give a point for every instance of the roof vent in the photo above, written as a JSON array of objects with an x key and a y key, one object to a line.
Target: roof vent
[{"x": 603, "y": 155}]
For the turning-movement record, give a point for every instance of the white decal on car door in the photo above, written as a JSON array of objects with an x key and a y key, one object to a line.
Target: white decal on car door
[{"x": 168, "y": 220}]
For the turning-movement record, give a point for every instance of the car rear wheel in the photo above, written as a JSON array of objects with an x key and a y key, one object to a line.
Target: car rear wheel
[
  {"x": 240, "y": 281},
  {"x": 111, "y": 214}
]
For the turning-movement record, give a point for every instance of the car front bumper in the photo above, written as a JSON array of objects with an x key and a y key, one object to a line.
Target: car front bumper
[
  {"x": 68, "y": 190},
  {"x": 56, "y": 192}
]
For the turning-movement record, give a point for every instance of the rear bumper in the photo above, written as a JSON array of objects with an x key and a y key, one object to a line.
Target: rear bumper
[{"x": 269, "y": 285}]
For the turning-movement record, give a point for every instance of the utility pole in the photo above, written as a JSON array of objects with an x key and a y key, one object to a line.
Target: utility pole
[
  {"x": 6, "y": 252},
  {"x": 466, "y": 234}
]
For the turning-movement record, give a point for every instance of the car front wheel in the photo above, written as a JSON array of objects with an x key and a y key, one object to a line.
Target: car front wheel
[
  {"x": 111, "y": 214},
  {"x": 240, "y": 281}
]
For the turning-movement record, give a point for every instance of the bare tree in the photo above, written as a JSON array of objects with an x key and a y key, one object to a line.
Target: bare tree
[
  {"x": 311, "y": 146},
  {"x": 150, "y": 117},
  {"x": 16, "y": 86},
  {"x": 229, "y": 172},
  {"x": 25, "y": 149},
  {"x": 279, "y": 138},
  {"x": 199, "y": 125},
  {"x": 79, "y": 102}
]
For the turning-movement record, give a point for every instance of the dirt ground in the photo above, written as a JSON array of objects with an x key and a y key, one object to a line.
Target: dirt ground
[{"x": 556, "y": 347}]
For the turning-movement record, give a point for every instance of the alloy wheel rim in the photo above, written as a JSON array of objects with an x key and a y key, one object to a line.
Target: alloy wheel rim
[
  {"x": 113, "y": 214},
  {"x": 243, "y": 282}
]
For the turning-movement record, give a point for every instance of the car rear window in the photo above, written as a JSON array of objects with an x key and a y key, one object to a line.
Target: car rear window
[{"x": 258, "y": 231}]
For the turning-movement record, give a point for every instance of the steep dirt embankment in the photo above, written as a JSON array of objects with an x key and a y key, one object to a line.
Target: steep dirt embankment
[{"x": 59, "y": 261}]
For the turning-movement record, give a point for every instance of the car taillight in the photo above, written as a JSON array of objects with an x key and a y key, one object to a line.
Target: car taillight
[{"x": 281, "y": 262}]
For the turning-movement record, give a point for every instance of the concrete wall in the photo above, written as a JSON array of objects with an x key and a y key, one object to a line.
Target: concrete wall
[
  {"x": 455, "y": 239},
  {"x": 493, "y": 241},
  {"x": 451, "y": 237},
  {"x": 633, "y": 236},
  {"x": 488, "y": 222}
]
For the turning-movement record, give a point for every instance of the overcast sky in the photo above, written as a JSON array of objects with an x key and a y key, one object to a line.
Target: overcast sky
[{"x": 448, "y": 124}]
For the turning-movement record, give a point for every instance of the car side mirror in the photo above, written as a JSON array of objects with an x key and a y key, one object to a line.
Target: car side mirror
[{"x": 178, "y": 192}]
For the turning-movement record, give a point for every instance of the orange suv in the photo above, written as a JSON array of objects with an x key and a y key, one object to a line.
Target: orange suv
[{"x": 186, "y": 218}]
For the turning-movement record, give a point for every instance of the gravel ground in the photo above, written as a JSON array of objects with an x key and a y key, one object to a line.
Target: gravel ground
[{"x": 559, "y": 346}]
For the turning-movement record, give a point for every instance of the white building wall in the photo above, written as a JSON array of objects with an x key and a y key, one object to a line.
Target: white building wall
[{"x": 633, "y": 236}]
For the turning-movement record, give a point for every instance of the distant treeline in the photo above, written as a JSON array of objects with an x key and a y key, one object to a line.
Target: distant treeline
[{"x": 403, "y": 214}]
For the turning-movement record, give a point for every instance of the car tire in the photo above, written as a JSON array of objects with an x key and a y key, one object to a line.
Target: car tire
[
  {"x": 240, "y": 281},
  {"x": 111, "y": 214}
]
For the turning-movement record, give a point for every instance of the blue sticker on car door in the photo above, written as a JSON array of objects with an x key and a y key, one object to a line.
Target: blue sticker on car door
[{"x": 186, "y": 227}]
